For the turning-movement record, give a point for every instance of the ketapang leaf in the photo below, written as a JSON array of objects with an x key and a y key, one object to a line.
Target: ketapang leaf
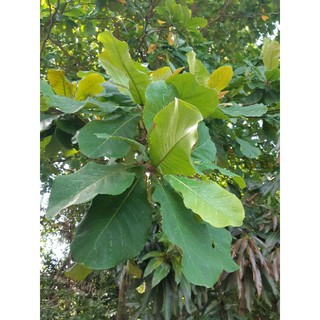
[
  {"x": 220, "y": 78},
  {"x": 173, "y": 135},
  {"x": 117, "y": 62},
  {"x": 60, "y": 84},
  {"x": 89, "y": 86},
  {"x": 201, "y": 263},
  {"x": 86, "y": 183},
  {"x": 115, "y": 228},
  {"x": 211, "y": 202}
]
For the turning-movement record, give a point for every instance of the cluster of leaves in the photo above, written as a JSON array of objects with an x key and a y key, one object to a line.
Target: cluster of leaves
[{"x": 120, "y": 119}]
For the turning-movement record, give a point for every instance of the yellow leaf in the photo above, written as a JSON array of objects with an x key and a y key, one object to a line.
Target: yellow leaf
[
  {"x": 161, "y": 22},
  {"x": 151, "y": 48},
  {"x": 264, "y": 17},
  {"x": 220, "y": 78},
  {"x": 89, "y": 86},
  {"x": 177, "y": 71},
  {"x": 133, "y": 269},
  {"x": 171, "y": 37},
  {"x": 161, "y": 74},
  {"x": 60, "y": 84}
]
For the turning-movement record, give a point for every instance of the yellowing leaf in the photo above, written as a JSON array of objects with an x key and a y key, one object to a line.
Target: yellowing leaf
[
  {"x": 60, "y": 84},
  {"x": 151, "y": 48},
  {"x": 161, "y": 22},
  {"x": 133, "y": 269},
  {"x": 270, "y": 54},
  {"x": 220, "y": 78},
  {"x": 264, "y": 17},
  {"x": 161, "y": 74},
  {"x": 171, "y": 37},
  {"x": 176, "y": 72},
  {"x": 89, "y": 86}
]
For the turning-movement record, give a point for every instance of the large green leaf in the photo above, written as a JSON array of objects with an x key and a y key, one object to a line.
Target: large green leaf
[
  {"x": 220, "y": 78},
  {"x": 115, "y": 228},
  {"x": 89, "y": 86},
  {"x": 270, "y": 54},
  {"x": 60, "y": 84},
  {"x": 197, "y": 68},
  {"x": 248, "y": 149},
  {"x": 159, "y": 94},
  {"x": 256, "y": 110},
  {"x": 190, "y": 90},
  {"x": 86, "y": 183},
  {"x": 172, "y": 137},
  {"x": 205, "y": 149},
  {"x": 211, "y": 202},
  {"x": 94, "y": 145},
  {"x": 201, "y": 263},
  {"x": 117, "y": 62}
]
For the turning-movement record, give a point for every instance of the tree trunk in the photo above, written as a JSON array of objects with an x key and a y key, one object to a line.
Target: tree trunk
[{"x": 122, "y": 312}]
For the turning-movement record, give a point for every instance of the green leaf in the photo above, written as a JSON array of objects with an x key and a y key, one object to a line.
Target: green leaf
[
  {"x": 77, "y": 272},
  {"x": 117, "y": 62},
  {"x": 89, "y": 86},
  {"x": 115, "y": 228},
  {"x": 152, "y": 265},
  {"x": 86, "y": 183},
  {"x": 248, "y": 149},
  {"x": 270, "y": 54},
  {"x": 94, "y": 145},
  {"x": 256, "y": 110},
  {"x": 160, "y": 273},
  {"x": 273, "y": 75},
  {"x": 191, "y": 91},
  {"x": 197, "y": 68},
  {"x": 211, "y": 202},
  {"x": 60, "y": 84},
  {"x": 172, "y": 137},
  {"x": 201, "y": 263},
  {"x": 45, "y": 89},
  {"x": 220, "y": 78},
  {"x": 158, "y": 94},
  {"x": 66, "y": 105},
  {"x": 205, "y": 149}
]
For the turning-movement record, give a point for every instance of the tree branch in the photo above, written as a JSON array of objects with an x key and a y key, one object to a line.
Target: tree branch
[{"x": 51, "y": 21}]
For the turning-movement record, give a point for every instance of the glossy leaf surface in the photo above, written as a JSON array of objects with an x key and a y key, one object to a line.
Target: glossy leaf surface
[
  {"x": 197, "y": 68},
  {"x": 172, "y": 137},
  {"x": 256, "y": 110}
]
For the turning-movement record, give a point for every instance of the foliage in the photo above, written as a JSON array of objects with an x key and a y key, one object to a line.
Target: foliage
[{"x": 154, "y": 159}]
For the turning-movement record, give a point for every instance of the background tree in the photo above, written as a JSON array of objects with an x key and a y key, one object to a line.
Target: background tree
[{"x": 245, "y": 135}]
